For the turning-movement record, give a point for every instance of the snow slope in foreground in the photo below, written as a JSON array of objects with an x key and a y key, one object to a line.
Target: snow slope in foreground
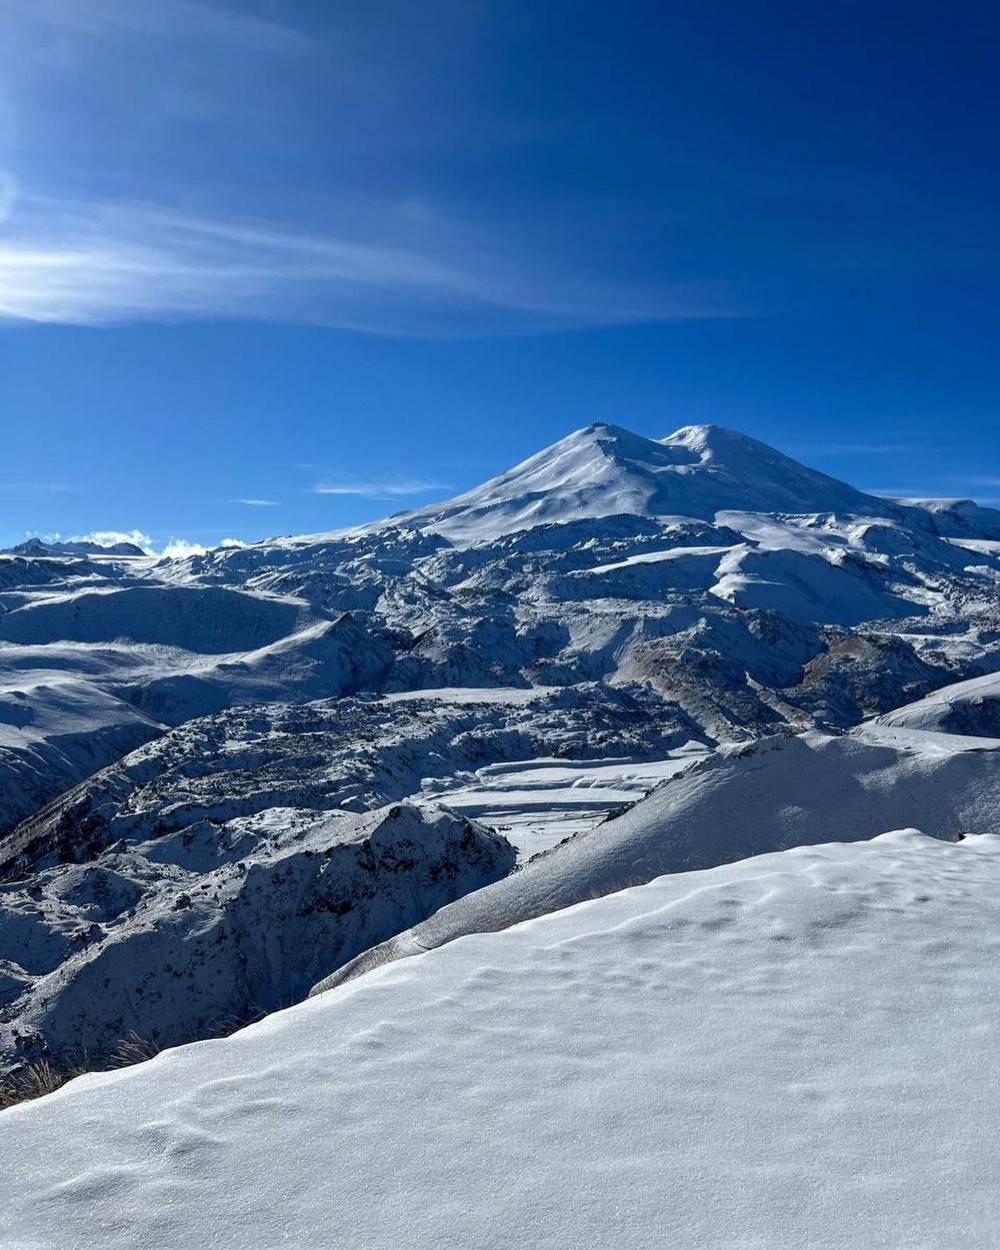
[{"x": 794, "y": 1050}]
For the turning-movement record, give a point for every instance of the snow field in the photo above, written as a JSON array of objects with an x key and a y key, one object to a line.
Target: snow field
[{"x": 794, "y": 1050}]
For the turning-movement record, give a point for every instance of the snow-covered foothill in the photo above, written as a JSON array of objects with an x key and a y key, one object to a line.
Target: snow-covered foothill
[
  {"x": 170, "y": 840},
  {"x": 76, "y": 547},
  {"x": 793, "y": 1050},
  {"x": 208, "y": 621},
  {"x": 56, "y": 731},
  {"x": 967, "y": 707},
  {"x": 173, "y": 937},
  {"x": 349, "y": 754}
]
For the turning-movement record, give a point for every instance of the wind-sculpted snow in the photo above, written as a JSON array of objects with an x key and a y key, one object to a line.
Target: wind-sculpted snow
[
  {"x": 771, "y": 795},
  {"x": 791, "y": 1051},
  {"x": 174, "y": 937},
  {"x": 331, "y": 658},
  {"x": 56, "y": 731}
]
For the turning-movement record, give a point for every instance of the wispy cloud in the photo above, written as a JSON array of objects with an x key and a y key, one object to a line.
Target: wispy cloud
[
  {"x": 171, "y": 18},
  {"x": 36, "y": 488},
  {"x": 391, "y": 488},
  {"x": 95, "y": 263},
  {"x": 147, "y": 226},
  {"x": 258, "y": 503},
  {"x": 928, "y": 494},
  {"x": 933, "y": 495}
]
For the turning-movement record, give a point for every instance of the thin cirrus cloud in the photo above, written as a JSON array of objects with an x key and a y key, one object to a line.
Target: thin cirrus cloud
[
  {"x": 926, "y": 494},
  {"x": 165, "y": 219},
  {"x": 99, "y": 262},
  {"x": 258, "y": 503},
  {"x": 36, "y": 488},
  {"x": 933, "y": 495},
  {"x": 393, "y": 488},
  {"x": 171, "y": 17},
  {"x": 858, "y": 449},
  {"x": 981, "y": 489}
]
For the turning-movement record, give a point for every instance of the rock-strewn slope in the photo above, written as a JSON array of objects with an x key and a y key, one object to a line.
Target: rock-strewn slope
[{"x": 178, "y": 935}]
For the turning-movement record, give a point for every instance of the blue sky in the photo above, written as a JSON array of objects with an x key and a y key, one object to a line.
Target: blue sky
[{"x": 280, "y": 267}]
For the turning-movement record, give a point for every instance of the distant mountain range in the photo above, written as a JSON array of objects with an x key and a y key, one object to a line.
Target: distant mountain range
[{"x": 36, "y": 547}]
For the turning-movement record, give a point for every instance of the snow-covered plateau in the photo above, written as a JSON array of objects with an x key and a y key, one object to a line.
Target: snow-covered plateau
[{"x": 571, "y": 800}]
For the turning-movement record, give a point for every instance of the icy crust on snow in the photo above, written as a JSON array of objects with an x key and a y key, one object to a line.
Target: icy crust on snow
[
  {"x": 794, "y": 1050},
  {"x": 539, "y": 803},
  {"x": 749, "y": 800},
  {"x": 175, "y": 937}
]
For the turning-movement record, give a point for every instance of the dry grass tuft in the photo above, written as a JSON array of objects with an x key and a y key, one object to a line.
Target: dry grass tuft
[
  {"x": 133, "y": 1048},
  {"x": 35, "y": 1079},
  {"x": 613, "y": 887}
]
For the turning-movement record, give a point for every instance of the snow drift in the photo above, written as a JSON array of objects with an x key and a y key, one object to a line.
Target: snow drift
[{"x": 795, "y": 1050}]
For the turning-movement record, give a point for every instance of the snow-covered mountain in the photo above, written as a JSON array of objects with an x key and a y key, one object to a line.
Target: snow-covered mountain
[
  {"x": 508, "y": 669},
  {"x": 73, "y": 547},
  {"x": 604, "y": 470}
]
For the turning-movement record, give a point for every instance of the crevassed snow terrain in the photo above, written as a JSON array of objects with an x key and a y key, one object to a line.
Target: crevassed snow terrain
[
  {"x": 793, "y": 1050},
  {"x": 535, "y": 655}
]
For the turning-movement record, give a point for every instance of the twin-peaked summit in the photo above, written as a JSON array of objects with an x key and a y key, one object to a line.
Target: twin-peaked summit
[{"x": 604, "y": 470}]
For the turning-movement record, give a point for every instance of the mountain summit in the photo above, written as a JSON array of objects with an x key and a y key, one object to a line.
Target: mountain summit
[{"x": 604, "y": 470}]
